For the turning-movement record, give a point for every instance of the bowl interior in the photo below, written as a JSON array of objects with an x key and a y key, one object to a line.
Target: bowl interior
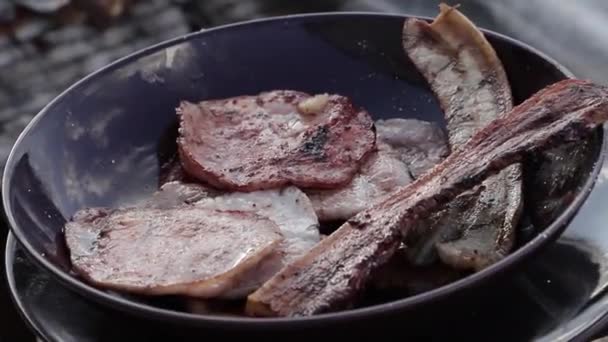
[{"x": 102, "y": 142}]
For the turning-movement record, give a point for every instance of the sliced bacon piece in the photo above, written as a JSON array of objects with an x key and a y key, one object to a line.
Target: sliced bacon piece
[
  {"x": 175, "y": 193},
  {"x": 335, "y": 271},
  {"x": 467, "y": 77},
  {"x": 274, "y": 139},
  {"x": 132, "y": 248}
]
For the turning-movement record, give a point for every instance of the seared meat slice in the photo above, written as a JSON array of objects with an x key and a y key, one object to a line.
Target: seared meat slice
[
  {"x": 274, "y": 139},
  {"x": 471, "y": 85},
  {"x": 405, "y": 148},
  {"x": 291, "y": 210},
  {"x": 381, "y": 173},
  {"x": 419, "y": 144},
  {"x": 288, "y": 228},
  {"x": 335, "y": 271},
  {"x": 184, "y": 250}
]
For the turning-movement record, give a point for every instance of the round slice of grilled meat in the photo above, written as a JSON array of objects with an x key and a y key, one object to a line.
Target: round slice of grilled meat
[
  {"x": 182, "y": 250},
  {"x": 273, "y": 139}
]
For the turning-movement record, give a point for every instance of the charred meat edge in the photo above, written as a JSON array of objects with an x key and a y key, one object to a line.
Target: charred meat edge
[
  {"x": 334, "y": 272},
  {"x": 471, "y": 85}
]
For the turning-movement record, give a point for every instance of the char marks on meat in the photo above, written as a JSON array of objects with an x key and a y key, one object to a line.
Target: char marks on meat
[
  {"x": 274, "y": 139},
  {"x": 463, "y": 70},
  {"x": 406, "y": 148},
  {"x": 337, "y": 269},
  {"x": 378, "y": 177},
  {"x": 419, "y": 144}
]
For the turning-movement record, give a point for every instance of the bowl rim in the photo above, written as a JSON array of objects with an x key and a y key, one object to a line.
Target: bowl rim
[
  {"x": 156, "y": 313},
  {"x": 9, "y": 258}
]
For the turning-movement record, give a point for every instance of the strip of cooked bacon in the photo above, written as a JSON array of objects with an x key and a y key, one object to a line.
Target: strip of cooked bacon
[
  {"x": 335, "y": 271},
  {"x": 467, "y": 77}
]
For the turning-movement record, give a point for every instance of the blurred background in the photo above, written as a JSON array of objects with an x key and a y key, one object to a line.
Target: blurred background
[{"x": 46, "y": 45}]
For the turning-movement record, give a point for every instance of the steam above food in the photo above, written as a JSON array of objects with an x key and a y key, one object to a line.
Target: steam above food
[{"x": 284, "y": 203}]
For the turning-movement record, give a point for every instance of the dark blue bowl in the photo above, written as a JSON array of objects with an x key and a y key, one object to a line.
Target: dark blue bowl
[{"x": 102, "y": 141}]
